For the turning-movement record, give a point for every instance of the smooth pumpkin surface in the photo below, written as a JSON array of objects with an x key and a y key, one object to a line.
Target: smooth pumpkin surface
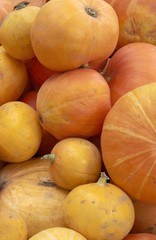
[
  {"x": 12, "y": 225},
  {"x": 5, "y": 8},
  {"x": 28, "y": 189},
  {"x": 58, "y": 233},
  {"x": 21, "y": 132},
  {"x": 74, "y": 103},
  {"x": 99, "y": 211},
  {"x": 13, "y": 77},
  {"x": 140, "y": 236},
  {"x": 128, "y": 143},
  {"x": 73, "y": 162},
  {"x": 70, "y": 37}
]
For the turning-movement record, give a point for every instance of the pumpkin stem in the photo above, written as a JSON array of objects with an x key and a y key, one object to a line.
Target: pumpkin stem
[
  {"x": 91, "y": 12},
  {"x": 103, "y": 179},
  {"x": 21, "y": 5},
  {"x": 50, "y": 157}
]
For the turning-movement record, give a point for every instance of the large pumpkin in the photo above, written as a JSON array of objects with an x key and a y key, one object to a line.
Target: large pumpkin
[
  {"x": 28, "y": 189},
  {"x": 131, "y": 66},
  {"x": 20, "y": 130},
  {"x": 74, "y": 103},
  {"x": 128, "y": 143},
  {"x": 76, "y": 33},
  {"x": 140, "y": 236}
]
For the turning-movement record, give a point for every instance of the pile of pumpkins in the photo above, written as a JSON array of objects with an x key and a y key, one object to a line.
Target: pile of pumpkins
[{"x": 77, "y": 120}]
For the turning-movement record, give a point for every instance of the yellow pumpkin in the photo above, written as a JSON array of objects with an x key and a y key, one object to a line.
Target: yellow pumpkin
[
  {"x": 58, "y": 233},
  {"x": 28, "y": 189},
  {"x": 13, "y": 77},
  {"x": 12, "y": 225},
  {"x": 68, "y": 34},
  {"x": 20, "y": 130},
  {"x": 74, "y": 161},
  {"x": 15, "y": 32},
  {"x": 99, "y": 211}
]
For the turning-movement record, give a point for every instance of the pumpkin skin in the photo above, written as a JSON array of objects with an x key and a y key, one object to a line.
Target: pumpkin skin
[
  {"x": 99, "y": 211},
  {"x": 128, "y": 143},
  {"x": 79, "y": 42},
  {"x": 9, "y": 219},
  {"x": 37, "y": 3},
  {"x": 64, "y": 103},
  {"x": 145, "y": 217},
  {"x": 11, "y": 71},
  {"x": 140, "y": 236},
  {"x": 15, "y": 32},
  {"x": 73, "y": 162},
  {"x": 58, "y": 233},
  {"x": 27, "y": 188},
  {"x": 136, "y": 21},
  {"x": 21, "y": 132},
  {"x": 5, "y": 8},
  {"x": 127, "y": 68}
]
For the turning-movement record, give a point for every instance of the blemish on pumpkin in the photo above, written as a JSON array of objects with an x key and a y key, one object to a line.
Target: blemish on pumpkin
[
  {"x": 83, "y": 201},
  {"x": 40, "y": 118},
  {"x": 46, "y": 183}
]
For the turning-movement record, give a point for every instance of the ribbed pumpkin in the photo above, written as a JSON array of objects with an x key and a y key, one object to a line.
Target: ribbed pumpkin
[
  {"x": 128, "y": 143},
  {"x": 27, "y": 188}
]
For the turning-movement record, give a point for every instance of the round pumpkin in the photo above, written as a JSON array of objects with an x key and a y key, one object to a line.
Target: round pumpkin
[
  {"x": 128, "y": 143},
  {"x": 12, "y": 225},
  {"x": 15, "y": 32},
  {"x": 20, "y": 130},
  {"x": 58, "y": 233},
  {"x": 145, "y": 217},
  {"x": 99, "y": 211},
  {"x": 74, "y": 103},
  {"x": 73, "y": 162},
  {"x": 140, "y": 236},
  {"x": 13, "y": 77},
  {"x": 28, "y": 189},
  {"x": 70, "y": 37},
  {"x": 131, "y": 66},
  {"x": 136, "y": 21}
]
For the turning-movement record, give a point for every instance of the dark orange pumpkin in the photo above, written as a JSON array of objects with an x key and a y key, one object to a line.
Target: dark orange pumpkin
[
  {"x": 128, "y": 143},
  {"x": 74, "y": 103},
  {"x": 140, "y": 236}
]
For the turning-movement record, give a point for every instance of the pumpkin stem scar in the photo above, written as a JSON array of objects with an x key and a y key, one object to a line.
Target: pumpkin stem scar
[
  {"x": 40, "y": 118},
  {"x": 91, "y": 12},
  {"x": 21, "y": 5}
]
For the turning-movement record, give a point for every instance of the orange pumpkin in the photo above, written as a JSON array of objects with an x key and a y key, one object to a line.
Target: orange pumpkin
[
  {"x": 13, "y": 77},
  {"x": 76, "y": 33},
  {"x": 5, "y": 8},
  {"x": 145, "y": 217},
  {"x": 74, "y": 103},
  {"x": 37, "y": 3},
  {"x": 28, "y": 189},
  {"x": 140, "y": 236},
  {"x": 128, "y": 143},
  {"x": 131, "y": 66}
]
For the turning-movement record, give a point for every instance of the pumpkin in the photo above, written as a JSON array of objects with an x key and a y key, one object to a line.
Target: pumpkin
[
  {"x": 136, "y": 21},
  {"x": 140, "y": 236},
  {"x": 74, "y": 161},
  {"x": 15, "y": 32},
  {"x": 128, "y": 143},
  {"x": 145, "y": 217},
  {"x": 70, "y": 37},
  {"x": 37, "y": 3},
  {"x": 131, "y": 66},
  {"x": 12, "y": 225},
  {"x": 58, "y": 233},
  {"x": 20, "y": 130},
  {"x": 99, "y": 211},
  {"x": 74, "y": 103},
  {"x": 28, "y": 189},
  {"x": 5, "y": 8},
  {"x": 13, "y": 77}
]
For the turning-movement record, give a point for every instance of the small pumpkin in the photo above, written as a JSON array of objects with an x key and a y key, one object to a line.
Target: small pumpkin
[
  {"x": 15, "y": 32},
  {"x": 58, "y": 233},
  {"x": 28, "y": 189},
  {"x": 128, "y": 143},
  {"x": 12, "y": 225},
  {"x": 21, "y": 132},
  {"x": 70, "y": 37},
  {"x": 73, "y": 103},
  {"x": 99, "y": 211},
  {"x": 74, "y": 161}
]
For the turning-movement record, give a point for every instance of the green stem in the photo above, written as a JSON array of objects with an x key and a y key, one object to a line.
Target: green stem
[
  {"x": 50, "y": 157},
  {"x": 103, "y": 179}
]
